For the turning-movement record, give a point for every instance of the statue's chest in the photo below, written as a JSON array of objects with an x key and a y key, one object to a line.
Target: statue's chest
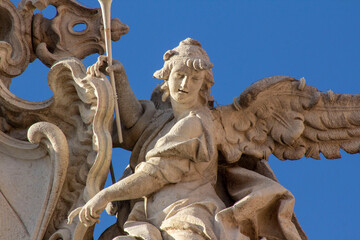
[{"x": 164, "y": 130}]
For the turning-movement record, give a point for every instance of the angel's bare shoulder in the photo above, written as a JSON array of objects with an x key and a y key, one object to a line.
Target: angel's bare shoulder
[{"x": 188, "y": 127}]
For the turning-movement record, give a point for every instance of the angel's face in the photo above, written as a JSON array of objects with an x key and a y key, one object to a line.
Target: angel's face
[{"x": 185, "y": 83}]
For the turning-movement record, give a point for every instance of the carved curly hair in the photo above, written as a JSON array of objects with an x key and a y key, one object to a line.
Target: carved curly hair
[{"x": 189, "y": 53}]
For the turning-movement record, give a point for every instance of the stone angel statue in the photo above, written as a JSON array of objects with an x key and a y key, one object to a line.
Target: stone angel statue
[{"x": 200, "y": 172}]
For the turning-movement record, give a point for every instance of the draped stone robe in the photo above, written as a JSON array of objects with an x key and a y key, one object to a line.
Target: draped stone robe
[{"x": 248, "y": 206}]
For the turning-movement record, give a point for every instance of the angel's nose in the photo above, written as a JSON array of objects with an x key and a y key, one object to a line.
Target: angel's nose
[{"x": 184, "y": 83}]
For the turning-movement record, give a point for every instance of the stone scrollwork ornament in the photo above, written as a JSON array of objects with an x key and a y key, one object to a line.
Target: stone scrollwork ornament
[
  {"x": 14, "y": 42},
  {"x": 58, "y": 38},
  {"x": 26, "y": 36},
  {"x": 82, "y": 138},
  {"x": 83, "y": 118},
  {"x": 42, "y": 165},
  {"x": 68, "y": 157}
]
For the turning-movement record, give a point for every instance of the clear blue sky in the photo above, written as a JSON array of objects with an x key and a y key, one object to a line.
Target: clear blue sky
[{"x": 248, "y": 40}]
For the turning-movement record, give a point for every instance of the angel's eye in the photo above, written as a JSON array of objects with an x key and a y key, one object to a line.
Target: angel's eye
[{"x": 179, "y": 75}]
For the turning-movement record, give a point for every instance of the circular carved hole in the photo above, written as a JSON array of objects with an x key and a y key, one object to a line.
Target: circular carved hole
[{"x": 79, "y": 27}]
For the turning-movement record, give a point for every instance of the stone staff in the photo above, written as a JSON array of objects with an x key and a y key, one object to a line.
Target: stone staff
[{"x": 106, "y": 13}]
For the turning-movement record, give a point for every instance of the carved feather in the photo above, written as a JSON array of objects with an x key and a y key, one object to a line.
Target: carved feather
[{"x": 286, "y": 117}]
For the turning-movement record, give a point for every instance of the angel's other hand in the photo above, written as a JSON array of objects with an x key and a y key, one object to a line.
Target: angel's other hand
[
  {"x": 111, "y": 208},
  {"x": 90, "y": 213},
  {"x": 115, "y": 67},
  {"x": 101, "y": 66}
]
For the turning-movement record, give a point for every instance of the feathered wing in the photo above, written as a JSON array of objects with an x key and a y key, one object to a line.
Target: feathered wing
[{"x": 286, "y": 117}]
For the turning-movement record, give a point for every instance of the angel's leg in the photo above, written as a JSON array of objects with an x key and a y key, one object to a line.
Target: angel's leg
[{"x": 138, "y": 226}]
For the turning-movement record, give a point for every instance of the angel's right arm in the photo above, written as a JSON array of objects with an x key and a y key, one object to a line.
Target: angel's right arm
[{"x": 129, "y": 106}]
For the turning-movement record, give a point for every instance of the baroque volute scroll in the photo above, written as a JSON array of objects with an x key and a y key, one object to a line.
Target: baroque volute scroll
[
  {"x": 14, "y": 42},
  {"x": 90, "y": 105},
  {"x": 80, "y": 110},
  {"x": 32, "y": 176},
  {"x": 84, "y": 117},
  {"x": 75, "y": 31}
]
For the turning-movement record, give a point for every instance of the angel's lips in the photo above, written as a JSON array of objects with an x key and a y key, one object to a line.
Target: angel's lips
[{"x": 182, "y": 91}]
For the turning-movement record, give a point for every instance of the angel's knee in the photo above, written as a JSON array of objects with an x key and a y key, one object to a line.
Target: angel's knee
[{"x": 181, "y": 235}]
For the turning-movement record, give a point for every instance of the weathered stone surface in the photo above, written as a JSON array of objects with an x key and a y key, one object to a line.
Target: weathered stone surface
[{"x": 195, "y": 172}]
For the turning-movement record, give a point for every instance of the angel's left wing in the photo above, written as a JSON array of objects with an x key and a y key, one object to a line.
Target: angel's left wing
[{"x": 286, "y": 117}]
